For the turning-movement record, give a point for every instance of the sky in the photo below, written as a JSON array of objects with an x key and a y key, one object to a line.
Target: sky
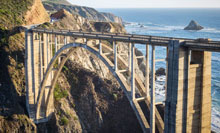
[{"x": 148, "y": 3}]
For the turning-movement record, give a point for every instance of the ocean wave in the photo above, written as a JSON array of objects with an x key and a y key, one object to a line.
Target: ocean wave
[
  {"x": 210, "y": 30},
  {"x": 215, "y": 100},
  {"x": 215, "y": 58},
  {"x": 153, "y": 26},
  {"x": 215, "y": 120},
  {"x": 160, "y": 87}
]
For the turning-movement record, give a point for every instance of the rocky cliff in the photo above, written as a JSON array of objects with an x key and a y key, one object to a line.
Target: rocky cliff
[
  {"x": 14, "y": 13},
  {"x": 87, "y": 98},
  {"x": 112, "y": 17},
  {"x": 36, "y": 14},
  {"x": 89, "y": 13},
  {"x": 67, "y": 20}
]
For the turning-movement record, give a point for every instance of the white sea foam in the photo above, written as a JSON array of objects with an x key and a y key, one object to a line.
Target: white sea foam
[
  {"x": 215, "y": 120},
  {"x": 210, "y": 30},
  {"x": 160, "y": 88},
  {"x": 215, "y": 58},
  {"x": 153, "y": 27}
]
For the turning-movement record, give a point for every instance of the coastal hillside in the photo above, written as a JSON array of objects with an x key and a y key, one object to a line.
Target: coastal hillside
[
  {"x": 13, "y": 14},
  {"x": 97, "y": 106},
  {"x": 87, "y": 12}
]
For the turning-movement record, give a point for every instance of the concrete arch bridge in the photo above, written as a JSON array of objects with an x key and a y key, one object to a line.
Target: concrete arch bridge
[{"x": 188, "y": 72}]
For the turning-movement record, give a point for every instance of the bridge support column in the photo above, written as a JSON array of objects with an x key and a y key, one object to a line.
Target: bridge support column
[
  {"x": 147, "y": 71},
  {"x": 199, "y": 93},
  {"x": 178, "y": 61},
  {"x": 115, "y": 56},
  {"x": 55, "y": 39},
  {"x": 132, "y": 71},
  {"x": 152, "y": 96},
  {"x": 45, "y": 57},
  {"x": 188, "y": 102},
  {"x": 129, "y": 56},
  {"x": 29, "y": 74},
  {"x": 36, "y": 58},
  {"x": 100, "y": 47}
]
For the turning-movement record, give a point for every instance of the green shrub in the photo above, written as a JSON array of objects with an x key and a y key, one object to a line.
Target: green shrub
[
  {"x": 115, "y": 96},
  {"x": 73, "y": 105},
  {"x": 64, "y": 120},
  {"x": 59, "y": 93},
  {"x": 12, "y": 12},
  {"x": 75, "y": 118},
  {"x": 65, "y": 68}
]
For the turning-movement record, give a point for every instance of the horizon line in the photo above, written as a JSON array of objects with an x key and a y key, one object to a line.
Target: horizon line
[{"x": 157, "y": 7}]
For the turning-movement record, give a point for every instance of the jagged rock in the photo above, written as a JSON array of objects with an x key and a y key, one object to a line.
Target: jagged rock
[
  {"x": 112, "y": 17},
  {"x": 60, "y": 14},
  {"x": 66, "y": 20},
  {"x": 108, "y": 27},
  {"x": 36, "y": 14},
  {"x": 193, "y": 25},
  {"x": 160, "y": 71}
]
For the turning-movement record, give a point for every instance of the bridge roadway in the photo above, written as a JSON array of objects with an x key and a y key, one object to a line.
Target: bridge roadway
[{"x": 195, "y": 44}]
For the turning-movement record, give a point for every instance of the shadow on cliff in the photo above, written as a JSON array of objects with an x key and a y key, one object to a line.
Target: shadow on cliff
[
  {"x": 11, "y": 102},
  {"x": 100, "y": 105}
]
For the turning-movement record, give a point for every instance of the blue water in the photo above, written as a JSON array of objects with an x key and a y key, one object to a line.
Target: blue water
[{"x": 170, "y": 22}]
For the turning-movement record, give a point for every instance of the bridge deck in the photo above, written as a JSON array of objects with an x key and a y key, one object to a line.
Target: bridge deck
[{"x": 135, "y": 38}]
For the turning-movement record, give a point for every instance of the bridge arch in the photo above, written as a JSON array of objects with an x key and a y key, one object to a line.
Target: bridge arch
[{"x": 57, "y": 55}]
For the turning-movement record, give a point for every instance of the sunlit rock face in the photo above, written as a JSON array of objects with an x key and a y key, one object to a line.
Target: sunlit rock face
[
  {"x": 193, "y": 25},
  {"x": 37, "y": 14}
]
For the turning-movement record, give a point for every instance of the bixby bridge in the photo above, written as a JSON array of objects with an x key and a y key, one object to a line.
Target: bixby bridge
[{"x": 188, "y": 72}]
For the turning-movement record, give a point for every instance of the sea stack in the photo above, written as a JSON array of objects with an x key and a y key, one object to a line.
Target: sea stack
[{"x": 193, "y": 25}]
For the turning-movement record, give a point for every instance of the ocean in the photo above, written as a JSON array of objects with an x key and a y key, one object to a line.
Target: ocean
[{"x": 170, "y": 23}]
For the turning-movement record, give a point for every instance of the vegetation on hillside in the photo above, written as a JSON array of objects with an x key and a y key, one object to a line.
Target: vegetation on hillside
[
  {"x": 59, "y": 92},
  {"x": 12, "y": 42},
  {"x": 64, "y": 2},
  {"x": 12, "y": 80},
  {"x": 12, "y": 12}
]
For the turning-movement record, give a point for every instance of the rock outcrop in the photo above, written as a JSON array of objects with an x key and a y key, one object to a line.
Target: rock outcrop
[
  {"x": 66, "y": 20},
  {"x": 36, "y": 14},
  {"x": 111, "y": 17},
  {"x": 193, "y": 25},
  {"x": 160, "y": 71},
  {"x": 108, "y": 27}
]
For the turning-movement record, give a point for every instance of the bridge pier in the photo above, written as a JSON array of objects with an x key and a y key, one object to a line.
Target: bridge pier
[
  {"x": 188, "y": 101},
  {"x": 38, "y": 53}
]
